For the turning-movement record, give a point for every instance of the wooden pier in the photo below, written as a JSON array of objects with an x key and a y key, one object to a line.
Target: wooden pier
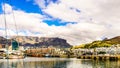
[{"x": 98, "y": 57}]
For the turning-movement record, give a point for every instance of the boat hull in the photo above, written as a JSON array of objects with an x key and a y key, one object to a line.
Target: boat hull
[{"x": 15, "y": 57}]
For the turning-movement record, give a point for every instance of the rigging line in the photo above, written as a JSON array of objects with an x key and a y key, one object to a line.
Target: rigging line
[
  {"x": 14, "y": 19},
  {"x": 5, "y": 27},
  {"x": 1, "y": 25},
  {"x": 16, "y": 28},
  {"x": 6, "y": 46},
  {"x": 5, "y": 18}
]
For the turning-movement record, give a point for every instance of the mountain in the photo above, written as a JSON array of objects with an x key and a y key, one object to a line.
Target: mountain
[
  {"x": 101, "y": 43},
  {"x": 4, "y": 42},
  {"x": 42, "y": 41},
  {"x": 29, "y": 41}
]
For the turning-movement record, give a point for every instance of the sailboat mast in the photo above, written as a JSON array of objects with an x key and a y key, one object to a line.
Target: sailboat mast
[
  {"x": 15, "y": 26},
  {"x": 15, "y": 53},
  {"x": 4, "y": 11}
]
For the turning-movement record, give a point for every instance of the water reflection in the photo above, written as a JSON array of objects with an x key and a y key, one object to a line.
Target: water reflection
[
  {"x": 57, "y": 63},
  {"x": 101, "y": 64},
  {"x": 46, "y": 64}
]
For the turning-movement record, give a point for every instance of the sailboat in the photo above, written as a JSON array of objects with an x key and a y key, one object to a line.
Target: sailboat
[{"x": 14, "y": 52}]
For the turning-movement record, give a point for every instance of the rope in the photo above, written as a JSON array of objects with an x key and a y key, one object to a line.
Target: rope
[
  {"x": 5, "y": 26},
  {"x": 13, "y": 14}
]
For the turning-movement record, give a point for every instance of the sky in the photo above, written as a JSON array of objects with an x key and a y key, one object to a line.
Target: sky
[{"x": 77, "y": 21}]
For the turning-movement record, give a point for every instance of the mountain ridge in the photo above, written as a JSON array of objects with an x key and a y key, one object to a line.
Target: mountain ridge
[{"x": 30, "y": 41}]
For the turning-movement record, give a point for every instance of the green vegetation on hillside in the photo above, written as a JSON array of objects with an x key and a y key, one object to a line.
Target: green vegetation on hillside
[
  {"x": 100, "y": 43},
  {"x": 80, "y": 46},
  {"x": 97, "y": 44}
]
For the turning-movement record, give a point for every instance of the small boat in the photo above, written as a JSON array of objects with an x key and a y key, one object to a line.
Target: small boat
[
  {"x": 47, "y": 55},
  {"x": 16, "y": 54},
  {"x": 3, "y": 53}
]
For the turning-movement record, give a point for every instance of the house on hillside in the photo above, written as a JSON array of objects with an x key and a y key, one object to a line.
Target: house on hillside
[{"x": 113, "y": 50}]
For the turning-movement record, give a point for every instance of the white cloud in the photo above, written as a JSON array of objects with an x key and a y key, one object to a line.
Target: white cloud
[
  {"x": 95, "y": 20},
  {"x": 6, "y": 8},
  {"x": 98, "y": 18},
  {"x": 41, "y": 3},
  {"x": 28, "y": 22}
]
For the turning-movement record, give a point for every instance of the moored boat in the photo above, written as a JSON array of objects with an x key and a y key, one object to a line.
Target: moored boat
[
  {"x": 16, "y": 54},
  {"x": 3, "y": 53}
]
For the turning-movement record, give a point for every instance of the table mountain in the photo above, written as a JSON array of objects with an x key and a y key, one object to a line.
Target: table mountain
[
  {"x": 43, "y": 41},
  {"x": 4, "y": 42}
]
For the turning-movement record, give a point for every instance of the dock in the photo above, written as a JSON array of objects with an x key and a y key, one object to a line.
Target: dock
[{"x": 100, "y": 57}]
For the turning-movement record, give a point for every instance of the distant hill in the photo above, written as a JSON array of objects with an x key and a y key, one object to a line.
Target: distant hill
[
  {"x": 115, "y": 40},
  {"x": 101, "y": 43}
]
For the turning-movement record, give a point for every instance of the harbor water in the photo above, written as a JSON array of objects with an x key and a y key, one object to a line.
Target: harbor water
[{"x": 31, "y": 62}]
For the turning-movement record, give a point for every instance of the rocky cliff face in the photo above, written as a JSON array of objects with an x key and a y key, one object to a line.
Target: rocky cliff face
[
  {"x": 43, "y": 42},
  {"x": 55, "y": 42},
  {"x": 4, "y": 42}
]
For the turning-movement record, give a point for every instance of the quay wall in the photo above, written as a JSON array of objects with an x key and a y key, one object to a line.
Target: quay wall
[{"x": 97, "y": 57}]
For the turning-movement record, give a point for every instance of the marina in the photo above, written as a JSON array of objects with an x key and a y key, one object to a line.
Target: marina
[{"x": 59, "y": 34}]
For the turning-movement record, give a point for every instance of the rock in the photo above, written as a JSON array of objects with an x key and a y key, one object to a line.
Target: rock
[{"x": 43, "y": 42}]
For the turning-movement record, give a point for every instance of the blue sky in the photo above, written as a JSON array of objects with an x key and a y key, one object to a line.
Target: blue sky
[
  {"x": 22, "y": 5},
  {"x": 30, "y": 7},
  {"x": 77, "y": 21}
]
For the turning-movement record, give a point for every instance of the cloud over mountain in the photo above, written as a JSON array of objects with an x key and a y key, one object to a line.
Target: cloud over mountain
[{"x": 93, "y": 19}]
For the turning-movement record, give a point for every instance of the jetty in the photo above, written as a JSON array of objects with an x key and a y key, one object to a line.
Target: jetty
[{"x": 100, "y": 57}]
